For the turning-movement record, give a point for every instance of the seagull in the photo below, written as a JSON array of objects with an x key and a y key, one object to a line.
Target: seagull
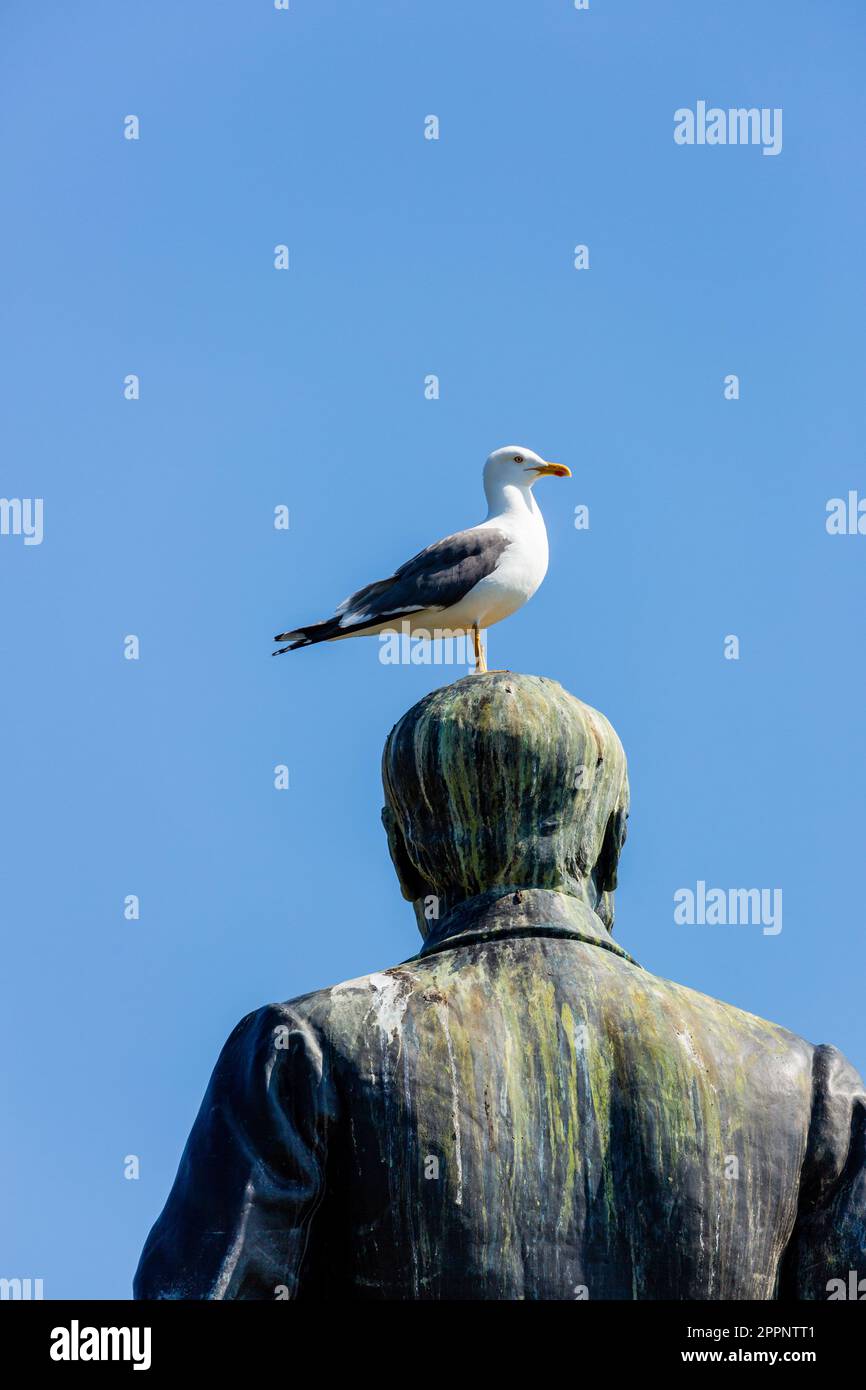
[{"x": 463, "y": 583}]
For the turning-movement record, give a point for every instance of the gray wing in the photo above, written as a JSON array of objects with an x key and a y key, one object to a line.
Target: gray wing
[{"x": 437, "y": 578}]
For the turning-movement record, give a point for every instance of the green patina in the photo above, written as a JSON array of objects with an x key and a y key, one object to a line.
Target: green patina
[{"x": 581, "y": 1109}]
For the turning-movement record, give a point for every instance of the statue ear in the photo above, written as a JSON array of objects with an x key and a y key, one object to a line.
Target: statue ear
[
  {"x": 412, "y": 885},
  {"x": 611, "y": 847}
]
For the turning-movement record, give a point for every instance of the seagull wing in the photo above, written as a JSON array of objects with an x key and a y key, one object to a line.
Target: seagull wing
[{"x": 436, "y": 578}]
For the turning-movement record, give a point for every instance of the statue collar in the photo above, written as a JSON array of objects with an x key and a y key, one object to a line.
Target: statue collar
[{"x": 513, "y": 912}]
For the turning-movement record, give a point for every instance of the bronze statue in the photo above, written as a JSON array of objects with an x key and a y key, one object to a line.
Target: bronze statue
[{"x": 520, "y": 1110}]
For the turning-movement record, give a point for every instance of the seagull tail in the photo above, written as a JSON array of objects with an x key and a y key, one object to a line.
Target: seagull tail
[{"x": 307, "y": 636}]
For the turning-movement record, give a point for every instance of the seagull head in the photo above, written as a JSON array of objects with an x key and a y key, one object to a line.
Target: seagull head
[{"x": 518, "y": 467}]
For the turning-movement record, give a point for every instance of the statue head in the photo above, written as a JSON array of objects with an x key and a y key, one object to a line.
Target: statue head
[{"x": 504, "y": 781}]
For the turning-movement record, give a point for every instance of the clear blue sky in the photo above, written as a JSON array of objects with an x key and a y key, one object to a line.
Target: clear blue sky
[{"x": 305, "y": 387}]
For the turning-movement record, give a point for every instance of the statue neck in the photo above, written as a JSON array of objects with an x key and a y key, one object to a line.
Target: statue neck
[{"x": 513, "y": 911}]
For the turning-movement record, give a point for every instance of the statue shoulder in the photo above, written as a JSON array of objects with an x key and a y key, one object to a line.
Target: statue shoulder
[{"x": 728, "y": 1025}]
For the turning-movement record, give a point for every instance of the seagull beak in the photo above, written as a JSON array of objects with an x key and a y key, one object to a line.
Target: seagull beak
[{"x": 554, "y": 470}]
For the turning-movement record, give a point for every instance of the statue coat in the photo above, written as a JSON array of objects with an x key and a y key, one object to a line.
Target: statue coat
[{"x": 519, "y": 1112}]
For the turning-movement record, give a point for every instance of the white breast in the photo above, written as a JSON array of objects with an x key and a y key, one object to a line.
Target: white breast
[{"x": 520, "y": 570}]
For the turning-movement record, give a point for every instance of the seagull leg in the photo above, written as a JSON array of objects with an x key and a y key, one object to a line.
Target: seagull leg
[
  {"x": 481, "y": 667},
  {"x": 480, "y": 660}
]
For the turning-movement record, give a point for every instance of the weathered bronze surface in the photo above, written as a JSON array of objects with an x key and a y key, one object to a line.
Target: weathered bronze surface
[{"x": 520, "y": 1110}]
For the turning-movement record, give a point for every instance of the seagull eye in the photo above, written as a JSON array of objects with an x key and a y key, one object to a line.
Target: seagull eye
[{"x": 518, "y": 458}]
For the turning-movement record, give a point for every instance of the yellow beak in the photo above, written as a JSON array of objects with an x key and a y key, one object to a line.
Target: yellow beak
[{"x": 555, "y": 470}]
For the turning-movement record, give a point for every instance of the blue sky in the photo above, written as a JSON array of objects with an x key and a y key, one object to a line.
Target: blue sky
[{"x": 306, "y": 387}]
